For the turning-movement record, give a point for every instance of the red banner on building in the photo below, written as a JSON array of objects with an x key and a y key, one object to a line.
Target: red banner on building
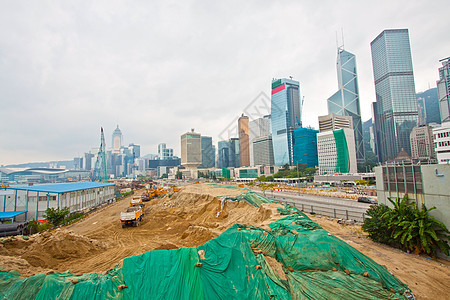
[{"x": 276, "y": 90}]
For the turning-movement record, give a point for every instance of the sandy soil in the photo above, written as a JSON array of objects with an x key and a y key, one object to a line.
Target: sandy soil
[
  {"x": 187, "y": 219},
  {"x": 97, "y": 243},
  {"x": 426, "y": 278}
]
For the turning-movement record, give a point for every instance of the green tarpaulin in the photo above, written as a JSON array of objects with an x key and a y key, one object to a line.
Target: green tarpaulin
[{"x": 316, "y": 265}]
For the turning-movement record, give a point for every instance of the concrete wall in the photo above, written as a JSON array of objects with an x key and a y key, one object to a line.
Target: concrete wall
[{"x": 436, "y": 187}]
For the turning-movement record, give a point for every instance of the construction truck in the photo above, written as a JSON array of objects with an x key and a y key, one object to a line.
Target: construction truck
[
  {"x": 145, "y": 196},
  {"x": 137, "y": 201},
  {"x": 131, "y": 217}
]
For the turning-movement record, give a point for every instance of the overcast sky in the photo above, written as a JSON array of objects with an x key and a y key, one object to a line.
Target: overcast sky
[{"x": 158, "y": 69}]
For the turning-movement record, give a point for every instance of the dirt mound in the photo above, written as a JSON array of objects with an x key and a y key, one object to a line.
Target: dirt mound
[
  {"x": 48, "y": 250},
  {"x": 188, "y": 218}
]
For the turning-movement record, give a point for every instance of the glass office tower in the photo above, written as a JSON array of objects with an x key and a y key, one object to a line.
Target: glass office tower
[
  {"x": 208, "y": 155},
  {"x": 397, "y": 112},
  {"x": 345, "y": 102},
  {"x": 443, "y": 87},
  {"x": 224, "y": 154},
  {"x": 285, "y": 116}
]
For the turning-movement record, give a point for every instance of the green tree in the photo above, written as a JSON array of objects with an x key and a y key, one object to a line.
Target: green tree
[
  {"x": 179, "y": 175},
  {"x": 362, "y": 182},
  {"x": 261, "y": 178},
  {"x": 56, "y": 216}
]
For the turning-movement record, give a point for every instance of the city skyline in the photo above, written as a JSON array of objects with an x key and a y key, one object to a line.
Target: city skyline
[{"x": 71, "y": 69}]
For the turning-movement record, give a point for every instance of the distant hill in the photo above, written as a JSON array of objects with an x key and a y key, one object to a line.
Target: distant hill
[{"x": 428, "y": 103}]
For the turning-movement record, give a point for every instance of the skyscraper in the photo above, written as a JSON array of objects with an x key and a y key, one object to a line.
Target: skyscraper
[
  {"x": 396, "y": 107},
  {"x": 443, "y": 86},
  {"x": 305, "y": 147},
  {"x": 345, "y": 102},
  {"x": 336, "y": 151},
  {"x": 116, "y": 140},
  {"x": 164, "y": 153},
  {"x": 258, "y": 128},
  {"x": 191, "y": 151},
  {"x": 244, "y": 154},
  {"x": 263, "y": 150},
  {"x": 234, "y": 153},
  {"x": 224, "y": 154},
  {"x": 285, "y": 117},
  {"x": 334, "y": 122},
  {"x": 208, "y": 156}
]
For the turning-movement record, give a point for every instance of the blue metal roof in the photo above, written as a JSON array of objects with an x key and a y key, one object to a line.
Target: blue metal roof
[
  {"x": 62, "y": 187},
  {"x": 11, "y": 214}
]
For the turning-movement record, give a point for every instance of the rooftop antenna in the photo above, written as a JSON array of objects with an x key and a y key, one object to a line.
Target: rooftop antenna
[
  {"x": 337, "y": 43},
  {"x": 342, "y": 32}
]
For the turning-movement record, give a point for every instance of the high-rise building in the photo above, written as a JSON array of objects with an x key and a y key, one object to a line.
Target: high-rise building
[
  {"x": 135, "y": 151},
  {"x": 263, "y": 151},
  {"x": 443, "y": 86},
  {"x": 116, "y": 140},
  {"x": 164, "y": 153},
  {"x": 422, "y": 146},
  {"x": 336, "y": 151},
  {"x": 208, "y": 156},
  {"x": 396, "y": 109},
  {"x": 258, "y": 128},
  {"x": 334, "y": 122},
  {"x": 305, "y": 147},
  {"x": 224, "y": 154},
  {"x": 285, "y": 117},
  {"x": 345, "y": 102},
  {"x": 88, "y": 157},
  {"x": 244, "y": 154},
  {"x": 78, "y": 163},
  {"x": 442, "y": 143},
  {"x": 234, "y": 153},
  {"x": 191, "y": 152}
]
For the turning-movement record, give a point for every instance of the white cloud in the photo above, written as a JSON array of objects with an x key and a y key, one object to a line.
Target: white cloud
[{"x": 158, "y": 69}]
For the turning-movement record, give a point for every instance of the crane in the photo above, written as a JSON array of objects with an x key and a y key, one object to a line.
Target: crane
[{"x": 99, "y": 173}]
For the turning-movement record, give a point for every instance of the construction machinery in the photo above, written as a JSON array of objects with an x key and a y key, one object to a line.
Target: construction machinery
[
  {"x": 99, "y": 173},
  {"x": 145, "y": 196},
  {"x": 137, "y": 201},
  {"x": 132, "y": 216}
]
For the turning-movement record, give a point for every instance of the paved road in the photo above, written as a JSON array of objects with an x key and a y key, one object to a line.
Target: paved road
[{"x": 329, "y": 206}]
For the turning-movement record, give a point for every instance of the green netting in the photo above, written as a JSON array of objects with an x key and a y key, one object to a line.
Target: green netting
[
  {"x": 287, "y": 210},
  {"x": 223, "y": 186},
  {"x": 60, "y": 286},
  {"x": 234, "y": 266},
  {"x": 343, "y": 160},
  {"x": 251, "y": 197}
]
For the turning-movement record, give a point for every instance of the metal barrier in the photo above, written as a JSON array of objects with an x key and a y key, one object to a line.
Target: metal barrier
[
  {"x": 349, "y": 213},
  {"x": 325, "y": 210}
]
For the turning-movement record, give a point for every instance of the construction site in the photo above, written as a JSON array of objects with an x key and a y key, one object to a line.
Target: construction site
[{"x": 209, "y": 241}]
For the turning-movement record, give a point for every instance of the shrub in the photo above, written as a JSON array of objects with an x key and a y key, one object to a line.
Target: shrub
[
  {"x": 73, "y": 218},
  {"x": 407, "y": 226},
  {"x": 56, "y": 216},
  {"x": 376, "y": 226},
  {"x": 35, "y": 227},
  {"x": 415, "y": 229}
]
